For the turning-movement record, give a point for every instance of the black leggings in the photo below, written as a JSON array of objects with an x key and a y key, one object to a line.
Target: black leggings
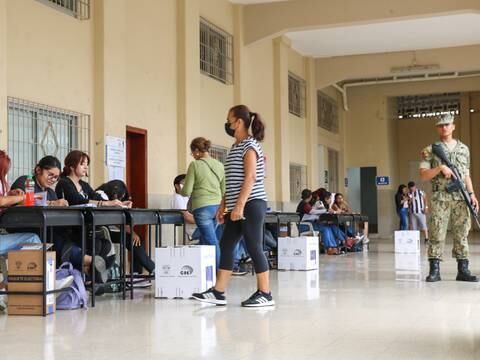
[
  {"x": 252, "y": 230},
  {"x": 140, "y": 257}
]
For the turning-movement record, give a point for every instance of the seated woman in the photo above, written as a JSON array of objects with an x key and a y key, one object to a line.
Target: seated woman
[
  {"x": 10, "y": 242},
  {"x": 47, "y": 173},
  {"x": 117, "y": 190},
  {"x": 309, "y": 213},
  {"x": 341, "y": 206},
  {"x": 180, "y": 202},
  {"x": 72, "y": 188},
  {"x": 324, "y": 203}
]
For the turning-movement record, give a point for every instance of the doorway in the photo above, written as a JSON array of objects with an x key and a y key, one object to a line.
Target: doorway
[
  {"x": 362, "y": 194},
  {"x": 137, "y": 166}
]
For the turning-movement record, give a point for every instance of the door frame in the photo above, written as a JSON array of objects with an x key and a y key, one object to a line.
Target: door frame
[{"x": 144, "y": 132}]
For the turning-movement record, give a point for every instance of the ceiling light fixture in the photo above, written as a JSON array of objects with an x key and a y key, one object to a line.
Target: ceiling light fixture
[{"x": 414, "y": 68}]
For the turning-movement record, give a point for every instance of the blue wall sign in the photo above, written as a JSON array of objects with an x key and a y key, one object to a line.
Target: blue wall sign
[{"x": 383, "y": 180}]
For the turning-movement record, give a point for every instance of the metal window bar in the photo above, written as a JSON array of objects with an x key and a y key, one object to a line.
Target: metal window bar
[
  {"x": 216, "y": 52},
  {"x": 219, "y": 153},
  {"x": 298, "y": 181},
  {"x": 36, "y": 130},
  {"x": 327, "y": 112},
  {"x": 296, "y": 95},
  {"x": 425, "y": 106},
  {"x": 79, "y": 9}
]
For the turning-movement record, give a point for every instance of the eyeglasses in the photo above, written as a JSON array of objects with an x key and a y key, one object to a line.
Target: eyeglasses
[{"x": 53, "y": 177}]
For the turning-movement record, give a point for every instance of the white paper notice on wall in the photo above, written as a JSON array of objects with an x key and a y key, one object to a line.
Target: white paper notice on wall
[
  {"x": 115, "y": 173},
  {"x": 115, "y": 153}
]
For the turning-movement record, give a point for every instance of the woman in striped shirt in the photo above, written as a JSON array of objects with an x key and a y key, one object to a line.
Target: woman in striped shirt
[{"x": 243, "y": 207}]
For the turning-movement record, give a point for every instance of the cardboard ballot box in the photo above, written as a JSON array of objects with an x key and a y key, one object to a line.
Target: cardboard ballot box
[
  {"x": 25, "y": 274},
  {"x": 182, "y": 271},
  {"x": 298, "y": 253}
]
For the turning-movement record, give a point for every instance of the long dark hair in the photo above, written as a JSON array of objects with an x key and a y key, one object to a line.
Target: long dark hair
[
  {"x": 249, "y": 117},
  {"x": 400, "y": 189},
  {"x": 46, "y": 163},
  {"x": 324, "y": 197},
  {"x": 73, "y": 159},
  {"x": 115, "y": 190}
]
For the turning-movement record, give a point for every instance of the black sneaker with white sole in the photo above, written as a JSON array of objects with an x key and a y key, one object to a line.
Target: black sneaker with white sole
[
  {"x": 259, "y": 299},
  {"x": 211, "y": 296}
]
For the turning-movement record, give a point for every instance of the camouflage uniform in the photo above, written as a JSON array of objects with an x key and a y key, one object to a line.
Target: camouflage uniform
[{"x": 447, "y": 207}]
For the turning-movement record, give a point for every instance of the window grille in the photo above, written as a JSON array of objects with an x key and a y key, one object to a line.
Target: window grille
[
  {"x": 219, "y": 153},
  {"x": 36, "y": 130},
  {"x": 79, "y": 9},
  {"x": 327, "y": 112},
  {"x": 216, "y": 52},
  {"x": 296, "y": 95},
  {"x": 424, "y": 106},
  {"x": 298, "y": 181}
]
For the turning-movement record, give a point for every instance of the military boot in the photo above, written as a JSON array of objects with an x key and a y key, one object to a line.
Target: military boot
[
  {"x": 463, "y": 272},
  {"x": 434, "y": 271}
]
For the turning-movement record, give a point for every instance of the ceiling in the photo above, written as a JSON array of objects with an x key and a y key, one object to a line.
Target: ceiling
[
  {"x": 253, "y": 2},
  {"x": 401, "y": 35}
]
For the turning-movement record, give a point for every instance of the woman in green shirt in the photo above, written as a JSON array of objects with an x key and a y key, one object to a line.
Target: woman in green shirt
[{"x": 205, "y": 184}]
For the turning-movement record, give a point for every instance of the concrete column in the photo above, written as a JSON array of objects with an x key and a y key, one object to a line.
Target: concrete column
[
  {"x": 188, "y": 75},
  {"x": 238, "y": 57},
  {"x": 98, "y": 116},
  {"x": 311, "y": 128},
  {"x": 3, "y": 75},
  {"x": 282, "y": 157},
  {"x": 465, "y": 128}
]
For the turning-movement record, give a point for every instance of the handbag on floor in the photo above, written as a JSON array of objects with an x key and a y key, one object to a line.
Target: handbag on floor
[{"x": 75, "y": 296}]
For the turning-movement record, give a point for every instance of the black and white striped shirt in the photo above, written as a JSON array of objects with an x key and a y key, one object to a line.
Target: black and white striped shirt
[
  {"x": 235, "y": 173},
  {"x": 417, "y": 204}
]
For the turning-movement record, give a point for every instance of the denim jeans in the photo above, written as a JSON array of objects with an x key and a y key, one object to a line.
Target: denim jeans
[
  {"x": 240, "y": 251},
  {"x": 206, "y": 223},
  {"x": 10, "y": 242},
  {"x": 403, "y": 213},
  {"x": 328, "y": 237},
  {"x": 338, "y": 233}
]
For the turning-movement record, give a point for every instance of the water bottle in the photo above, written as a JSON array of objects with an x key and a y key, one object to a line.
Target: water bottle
[{"x": 29, "y": 191}]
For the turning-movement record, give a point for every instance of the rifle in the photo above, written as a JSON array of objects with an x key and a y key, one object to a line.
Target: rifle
[{"x": 456, "y": 184}]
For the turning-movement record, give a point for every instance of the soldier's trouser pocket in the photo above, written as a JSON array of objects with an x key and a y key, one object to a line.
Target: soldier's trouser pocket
[{"x": 441, "y": 214}]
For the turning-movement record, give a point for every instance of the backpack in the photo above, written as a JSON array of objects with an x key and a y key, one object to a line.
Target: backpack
[{"x": 75, "y": 296}]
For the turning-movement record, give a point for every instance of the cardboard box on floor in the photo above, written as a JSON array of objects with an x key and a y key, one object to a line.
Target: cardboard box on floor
[
  {"x": 298, "y": 253},
  {"x": 182, "y": 271},
  {"x": 25, "y": 273}
]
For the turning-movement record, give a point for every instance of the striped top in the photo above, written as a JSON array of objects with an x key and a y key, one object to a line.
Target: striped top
[
  {"x": 417, "y": 203},
  {"x": 235, "y": 173}
]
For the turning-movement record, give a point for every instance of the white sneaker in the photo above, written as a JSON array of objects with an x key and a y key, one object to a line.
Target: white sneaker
[
  {"x": 3, "y": 303},
  {"x": 359, "y": 238}
]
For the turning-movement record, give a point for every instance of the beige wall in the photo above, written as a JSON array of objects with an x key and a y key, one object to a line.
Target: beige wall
[
  {"x": 394, "y": 144},
  {"x": 137, "y": 63},
  {"x": 336, "y": 69},
  {"x": 3, "y": 74},
  {"x": 296, "y": 125},
  {"x": 273, "y": 19}
]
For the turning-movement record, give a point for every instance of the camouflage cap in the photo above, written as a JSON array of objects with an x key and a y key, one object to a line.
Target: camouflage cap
[{"x": 445, "y": 119}]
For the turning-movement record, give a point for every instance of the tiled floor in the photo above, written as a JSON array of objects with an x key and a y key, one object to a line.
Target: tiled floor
[{"x": 359, "y": 306}]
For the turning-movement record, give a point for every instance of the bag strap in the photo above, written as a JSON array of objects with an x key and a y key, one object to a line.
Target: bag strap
[
  {"x": 66, "y": 265},
  {"x": 214, "y": 173}
]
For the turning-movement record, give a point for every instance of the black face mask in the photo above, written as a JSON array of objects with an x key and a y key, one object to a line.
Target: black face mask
[{"x": 228, "y": 130}]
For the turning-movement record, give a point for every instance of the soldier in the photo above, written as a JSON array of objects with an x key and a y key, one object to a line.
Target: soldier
[{"x": 447, "y": 207}]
